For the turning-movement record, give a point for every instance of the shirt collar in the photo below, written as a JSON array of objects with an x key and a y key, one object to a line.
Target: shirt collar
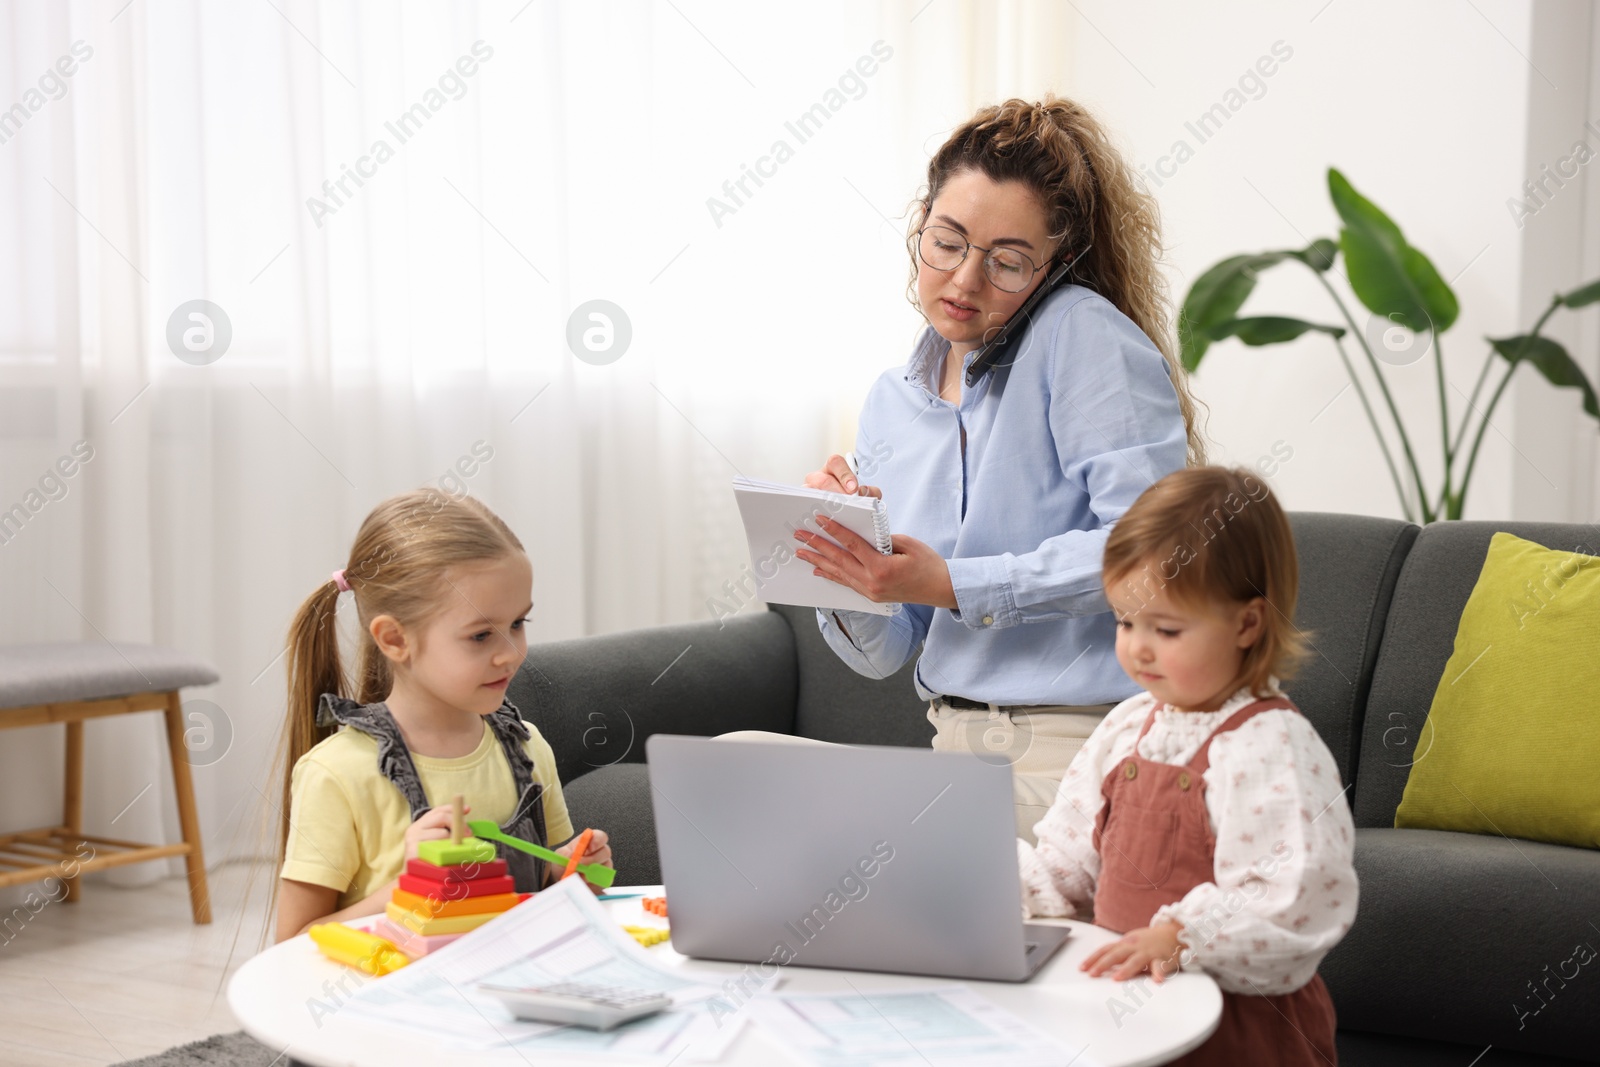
[{"x": 929, "y": 350}]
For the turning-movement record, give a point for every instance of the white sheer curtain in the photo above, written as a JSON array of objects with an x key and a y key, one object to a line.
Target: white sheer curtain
[{"x": 554, "y": 154}]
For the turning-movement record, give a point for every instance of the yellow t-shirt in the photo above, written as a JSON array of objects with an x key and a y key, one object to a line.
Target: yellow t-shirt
[{"x": 348, "y": 823}]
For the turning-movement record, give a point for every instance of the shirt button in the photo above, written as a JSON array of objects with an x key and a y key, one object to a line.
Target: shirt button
[
  {"x": 1183, "y": 780},
  {"x": 1131, "y": 770},
  {"x": 988, "y": 620}
]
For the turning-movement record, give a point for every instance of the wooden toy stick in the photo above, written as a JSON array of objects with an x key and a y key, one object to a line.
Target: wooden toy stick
[{"x": 457, "y": 821}]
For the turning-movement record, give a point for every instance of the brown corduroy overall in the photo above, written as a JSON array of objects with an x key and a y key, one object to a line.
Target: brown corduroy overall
[{"x": 1155, "y": 842}]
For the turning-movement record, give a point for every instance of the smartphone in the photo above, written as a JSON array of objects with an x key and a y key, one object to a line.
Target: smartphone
[{"x": 994, "y": 348}]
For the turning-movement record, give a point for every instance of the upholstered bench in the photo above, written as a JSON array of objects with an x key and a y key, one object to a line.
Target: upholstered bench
[{"x": 70, "y": 682}]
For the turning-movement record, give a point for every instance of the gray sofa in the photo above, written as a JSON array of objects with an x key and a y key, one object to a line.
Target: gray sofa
[{"x": 1454, "y": 933}]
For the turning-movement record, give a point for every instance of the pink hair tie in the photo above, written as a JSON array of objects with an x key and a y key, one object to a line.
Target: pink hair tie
[{"x": 338, "y": 580}]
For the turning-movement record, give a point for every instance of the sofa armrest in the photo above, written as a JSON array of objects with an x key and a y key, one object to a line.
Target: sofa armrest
[{"x": 836, "y": 704}]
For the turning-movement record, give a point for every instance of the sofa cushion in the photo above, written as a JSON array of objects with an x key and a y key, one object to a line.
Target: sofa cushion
[
  {"x": 1418, "y": 638},
  {"x": 1348, "y": 568},
  {"x": 1513, "y": 736},
  {"x": 596, "y": 699},
  {"x": 837, "y": 704},
  {"x": 617, "y": 799},
  {"x": 1473, "y": 939}
]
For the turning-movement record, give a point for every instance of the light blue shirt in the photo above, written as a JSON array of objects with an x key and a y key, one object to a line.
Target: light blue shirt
[{"x": 1061, "y": 438}]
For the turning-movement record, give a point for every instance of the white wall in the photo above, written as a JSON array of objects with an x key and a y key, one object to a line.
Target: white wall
[
  {"x": 1423, "y": 108},
  {"x": 1556, "y": 469}
]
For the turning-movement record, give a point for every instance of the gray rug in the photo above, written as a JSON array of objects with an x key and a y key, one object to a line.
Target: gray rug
[{"x": 237, "y": 1049}]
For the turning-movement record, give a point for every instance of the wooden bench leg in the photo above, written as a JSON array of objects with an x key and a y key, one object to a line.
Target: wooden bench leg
[
  {"x": 72, "y": 803},
  {"x": 188, "y": 815}
]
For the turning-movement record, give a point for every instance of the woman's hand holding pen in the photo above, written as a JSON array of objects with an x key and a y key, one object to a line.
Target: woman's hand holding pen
[
  {"x": 837, "y": 477},
  {"x": 913, "y": 574}
]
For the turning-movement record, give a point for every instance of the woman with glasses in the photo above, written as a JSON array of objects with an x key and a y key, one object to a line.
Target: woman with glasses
[{"x": 1002, "y": 488}]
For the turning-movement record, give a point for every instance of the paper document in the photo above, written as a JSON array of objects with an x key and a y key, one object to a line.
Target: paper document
[
  {"x": 562, "y": 934},
  {"x": 943, "y": 1025}
]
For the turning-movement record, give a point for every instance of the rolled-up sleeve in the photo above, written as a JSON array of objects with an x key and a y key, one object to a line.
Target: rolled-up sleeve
[{"x": 877, "y": 645}]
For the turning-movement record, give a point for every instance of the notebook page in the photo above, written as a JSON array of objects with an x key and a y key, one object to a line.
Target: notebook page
[{"x": 772, "y": 513}]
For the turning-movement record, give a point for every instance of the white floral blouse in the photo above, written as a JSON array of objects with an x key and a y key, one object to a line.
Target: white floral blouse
[{"x": 1284, "y": 890}]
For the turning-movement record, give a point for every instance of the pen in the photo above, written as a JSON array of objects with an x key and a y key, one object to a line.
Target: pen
[{"x": 850, "y": 458}]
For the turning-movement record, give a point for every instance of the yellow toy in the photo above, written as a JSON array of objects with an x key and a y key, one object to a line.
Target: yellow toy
[
  {"x": 357, "y": 948},
  {"x": 647, "y": 935}
]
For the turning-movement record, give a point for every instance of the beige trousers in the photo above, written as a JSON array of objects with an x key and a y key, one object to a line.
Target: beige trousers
[{"x": 1039, "y": 743}]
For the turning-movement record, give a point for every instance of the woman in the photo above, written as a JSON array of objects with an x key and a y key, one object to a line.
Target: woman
[{"x": 1005, "y": 490}]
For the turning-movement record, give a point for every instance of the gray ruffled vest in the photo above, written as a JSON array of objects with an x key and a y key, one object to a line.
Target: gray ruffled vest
[{"x": 394, "y": 763}]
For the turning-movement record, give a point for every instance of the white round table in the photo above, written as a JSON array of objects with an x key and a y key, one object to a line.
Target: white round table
[{"x": 1099, "y": 1021}]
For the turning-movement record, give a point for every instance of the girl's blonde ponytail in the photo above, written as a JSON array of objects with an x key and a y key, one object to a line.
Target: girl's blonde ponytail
[{"x": 313, "y": 669}]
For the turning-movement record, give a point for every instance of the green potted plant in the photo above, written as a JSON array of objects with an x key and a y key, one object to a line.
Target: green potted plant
[{"x": 1399, "y": 285}]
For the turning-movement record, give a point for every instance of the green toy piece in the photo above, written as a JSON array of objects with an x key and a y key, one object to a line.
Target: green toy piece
[
  {"x": 597, "y": 873},
  {"x": 445, "y": 854}
]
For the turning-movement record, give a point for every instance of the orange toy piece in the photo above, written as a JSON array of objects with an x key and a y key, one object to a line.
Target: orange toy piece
[
  {"x": 432, "y": 907},
  {"x": 656, "y": 906},
  {"x": 577, "y": 853}
]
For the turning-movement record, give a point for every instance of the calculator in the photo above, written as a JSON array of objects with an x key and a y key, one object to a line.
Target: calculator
[{"x": 597, "y": 1007}]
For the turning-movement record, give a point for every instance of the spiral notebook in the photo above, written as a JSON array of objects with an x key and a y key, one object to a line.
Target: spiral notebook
[{"x": 773, "y": 512}]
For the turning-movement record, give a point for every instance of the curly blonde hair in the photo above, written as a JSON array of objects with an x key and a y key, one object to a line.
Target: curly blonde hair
[{"x": 1092, "y": 204}]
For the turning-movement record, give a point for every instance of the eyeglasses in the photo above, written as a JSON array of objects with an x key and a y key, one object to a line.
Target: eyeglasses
[{"x": 944, "y": 249}]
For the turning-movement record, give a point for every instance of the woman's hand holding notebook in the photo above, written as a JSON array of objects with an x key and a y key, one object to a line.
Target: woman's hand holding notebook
[{"x": 773, "y": 512}]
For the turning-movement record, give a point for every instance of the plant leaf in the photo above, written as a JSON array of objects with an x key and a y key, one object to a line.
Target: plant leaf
[
  {"x": 1217, "y": 295},
  {"x": 1389, "y": 277},
  {"x": 1269, "y": 329},
  {"x": 1552, "y": 361},
  {"x": 1319, "y": 254},
  {"x": 1583, "y": 294}
]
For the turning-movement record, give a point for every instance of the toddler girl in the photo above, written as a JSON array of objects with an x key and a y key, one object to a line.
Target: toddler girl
[
  {"x": 441, "y": 588},
  {"x": 1204, "y": 819}
]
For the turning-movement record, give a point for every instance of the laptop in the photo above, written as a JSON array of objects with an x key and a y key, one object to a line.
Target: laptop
[{"x": 868, "y": 858}]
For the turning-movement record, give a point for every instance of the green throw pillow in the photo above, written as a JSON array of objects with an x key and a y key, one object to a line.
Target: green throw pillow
[{"x": 1512, "y": 741}]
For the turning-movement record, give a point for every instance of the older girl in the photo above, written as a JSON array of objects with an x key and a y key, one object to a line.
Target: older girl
[{"x": 441, "y": 588}]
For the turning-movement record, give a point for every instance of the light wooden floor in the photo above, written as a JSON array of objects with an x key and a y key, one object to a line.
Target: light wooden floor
[{"x": 124, "y": 973}]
